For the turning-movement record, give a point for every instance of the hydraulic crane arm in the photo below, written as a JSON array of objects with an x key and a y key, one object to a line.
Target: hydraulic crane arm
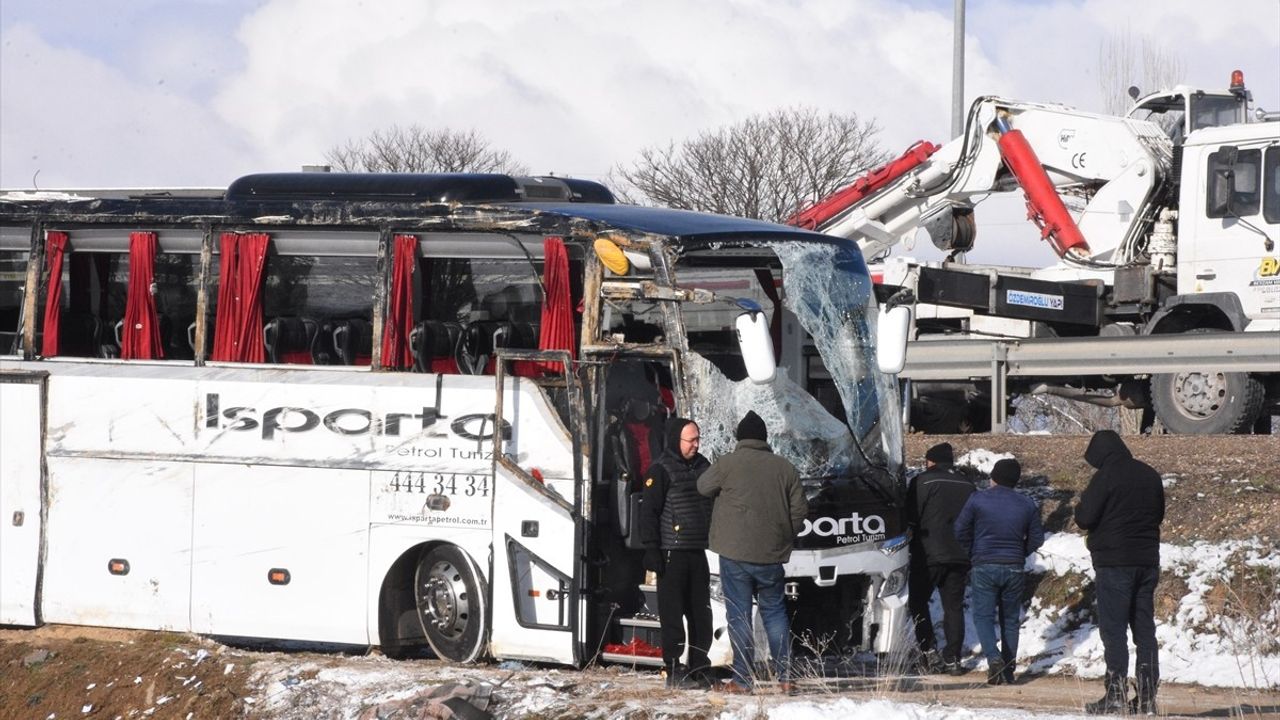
[{"x": 1116, "y": 165}]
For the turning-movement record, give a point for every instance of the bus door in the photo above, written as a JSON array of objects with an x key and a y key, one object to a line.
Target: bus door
[
  {"x": 21, "y": 447},
  {"x": 538, "y": 552}
]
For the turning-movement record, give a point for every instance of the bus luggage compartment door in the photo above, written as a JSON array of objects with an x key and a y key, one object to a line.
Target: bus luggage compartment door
[{"x": 21, "y": 446}]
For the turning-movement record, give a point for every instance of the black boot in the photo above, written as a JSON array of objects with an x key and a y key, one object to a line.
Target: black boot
[
  {"x": 995, "y": 674},
  {"x": 1114, "y": 702},
  {"x": 1144, "y": 703},
  {"x": 1007, "y": 672}
]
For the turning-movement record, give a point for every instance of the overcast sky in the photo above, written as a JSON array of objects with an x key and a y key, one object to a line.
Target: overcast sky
[{"x": 198, "y": 92}]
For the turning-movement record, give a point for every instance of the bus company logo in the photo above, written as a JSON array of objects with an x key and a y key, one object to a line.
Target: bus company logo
[
  {"x": 847, "y": 530},
  {"x": 283, "y": 419}
]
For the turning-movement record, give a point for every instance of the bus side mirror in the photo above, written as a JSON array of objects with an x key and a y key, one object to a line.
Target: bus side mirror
[
  {"x": 756, "y": 345},
  {"x": 892, "y": 330}
]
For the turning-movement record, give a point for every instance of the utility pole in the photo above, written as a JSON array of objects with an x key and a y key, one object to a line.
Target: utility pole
[{"x": 957, "y": 72}]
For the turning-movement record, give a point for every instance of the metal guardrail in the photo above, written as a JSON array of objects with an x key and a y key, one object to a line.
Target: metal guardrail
[
  {"x": 998, "y": 360},
  {"x": 967, "y": 359}
]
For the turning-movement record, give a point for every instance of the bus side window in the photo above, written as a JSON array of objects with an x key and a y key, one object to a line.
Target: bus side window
[
  {"x": 319, "y": 309},
  {"x": 13, "y": 275},
  {"x": 91, "y": 295}
]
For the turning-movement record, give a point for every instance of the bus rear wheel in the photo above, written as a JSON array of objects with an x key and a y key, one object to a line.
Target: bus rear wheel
[{"x": 450, "y": 597}]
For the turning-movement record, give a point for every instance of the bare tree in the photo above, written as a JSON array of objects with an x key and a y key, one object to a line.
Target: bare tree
[
  {"x": 414, "y": 148},
  {"x": 1125, "y": 60},
  {"x": 767, "y": 166}
]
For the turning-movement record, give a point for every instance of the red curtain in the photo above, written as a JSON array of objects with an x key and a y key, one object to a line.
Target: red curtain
[
  {"x": 396, "y": 352},
  {"x": 238, "y": 325},
  {"x": 55, "y": 243},
  {"x": 556, "y": 332},
  {"x": 140, "y": 337}
]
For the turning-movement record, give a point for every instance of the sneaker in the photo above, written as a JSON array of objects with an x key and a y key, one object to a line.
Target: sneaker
[
  {"x": 955, "y": 669},
  {"x": 931, "y": 663}
]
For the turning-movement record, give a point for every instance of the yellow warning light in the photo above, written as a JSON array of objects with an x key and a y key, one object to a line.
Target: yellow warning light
[{"x": 612, "y": 256}]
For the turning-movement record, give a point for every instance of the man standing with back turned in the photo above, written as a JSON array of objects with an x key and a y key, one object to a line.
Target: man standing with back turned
[
  {"x": 1122, "y": 509},
  {"x": 938, "y": 561},
  {"x": 1002, "y": 527},
  {"x": 759, "y": 508}
]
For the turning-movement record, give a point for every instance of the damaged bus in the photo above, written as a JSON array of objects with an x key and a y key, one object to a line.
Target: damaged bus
[{"x": 413, "y": 411}]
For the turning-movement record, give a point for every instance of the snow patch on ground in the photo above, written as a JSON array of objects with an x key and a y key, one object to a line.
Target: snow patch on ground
[
  {"x": 1201, "y": 644},
  {"x": 982, "y": 460}
]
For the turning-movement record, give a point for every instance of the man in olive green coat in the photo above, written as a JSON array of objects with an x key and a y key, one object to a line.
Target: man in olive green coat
[{"x": 759, "y": 509}]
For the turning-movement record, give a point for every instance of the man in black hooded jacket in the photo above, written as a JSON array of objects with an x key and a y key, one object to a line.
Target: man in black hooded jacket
[
  {"x": 938, "y": 560},
  {"x": 1122, "y": 509},
  {"x": 674, "y": 523}
]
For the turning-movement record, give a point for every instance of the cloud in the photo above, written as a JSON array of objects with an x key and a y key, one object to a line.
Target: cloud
[
  {"x": 566, "y": 86},
  {"x": 79, "y": 122}
]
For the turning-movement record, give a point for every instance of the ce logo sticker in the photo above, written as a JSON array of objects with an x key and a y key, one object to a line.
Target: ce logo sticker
[{"x": 1077, "y": 160}]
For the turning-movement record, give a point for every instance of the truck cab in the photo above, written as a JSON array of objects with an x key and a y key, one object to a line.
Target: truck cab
[{"x": 1182, "y": 109}]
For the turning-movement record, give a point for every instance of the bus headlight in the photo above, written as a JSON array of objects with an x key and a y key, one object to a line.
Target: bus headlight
[
  {"x": 894, "y": 545},
  {"x": 894, "y": 582}
]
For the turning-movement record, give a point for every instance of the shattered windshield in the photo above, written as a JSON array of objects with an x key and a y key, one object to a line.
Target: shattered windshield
[{"x": 827, "y": 390}]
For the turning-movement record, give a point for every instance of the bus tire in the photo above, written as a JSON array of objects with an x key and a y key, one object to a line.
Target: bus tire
[
  {"x": 1207, "y": 402},
  {"x": 450, "y": 597}
]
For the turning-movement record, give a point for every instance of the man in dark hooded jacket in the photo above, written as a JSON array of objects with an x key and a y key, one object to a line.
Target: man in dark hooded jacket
[
  {"x": 938, "y": 560},
  {"x": 674, "y": 523},
  {"x": 1122, "y": 509}
]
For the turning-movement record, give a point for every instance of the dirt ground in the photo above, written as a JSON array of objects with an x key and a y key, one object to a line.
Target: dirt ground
[
  {"x": 1218, "y": 488},
  {"x": 67, "y": 672}
]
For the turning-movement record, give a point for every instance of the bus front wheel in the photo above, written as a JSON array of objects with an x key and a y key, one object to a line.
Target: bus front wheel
[{"x": 450, "y": 599}]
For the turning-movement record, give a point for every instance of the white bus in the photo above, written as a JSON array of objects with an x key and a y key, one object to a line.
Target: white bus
[{"x": 410, "y": 410}]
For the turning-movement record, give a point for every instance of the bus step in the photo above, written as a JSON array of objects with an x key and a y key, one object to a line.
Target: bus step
[
  {"x": 632, "y": 659},
  {"x": 640, "y": 622}
]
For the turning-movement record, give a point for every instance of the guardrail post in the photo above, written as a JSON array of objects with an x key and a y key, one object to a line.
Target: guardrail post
[{"x": 999, "y": 386}]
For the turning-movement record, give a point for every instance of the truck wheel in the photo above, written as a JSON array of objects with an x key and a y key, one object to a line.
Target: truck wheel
[
  {"x": 1207, "y": 402},
  {"x": 450, "y": 597}
]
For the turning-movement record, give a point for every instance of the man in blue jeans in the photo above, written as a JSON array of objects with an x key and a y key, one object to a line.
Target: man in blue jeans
[
  {"x": 1001, "y": 527},
  {"x": 759, "y": 508}
]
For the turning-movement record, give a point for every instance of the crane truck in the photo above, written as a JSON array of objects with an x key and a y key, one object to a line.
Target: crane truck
[{"x": 1163, "y": 221}]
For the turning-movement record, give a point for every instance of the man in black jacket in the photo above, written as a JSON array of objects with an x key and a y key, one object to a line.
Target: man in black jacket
[
  {"x": 674, "y": 524},
  {"x": 937, "y": 560},
  {"x": 1122, "y": 509}
]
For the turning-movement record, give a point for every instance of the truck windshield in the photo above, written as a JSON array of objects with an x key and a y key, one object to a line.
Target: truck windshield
[
  {"x": 1215, "y": 111},
  {"x": 828, "y": 409}
]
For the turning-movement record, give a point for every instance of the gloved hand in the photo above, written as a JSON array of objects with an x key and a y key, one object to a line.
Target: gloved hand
[{"x": 654, "y": 560}]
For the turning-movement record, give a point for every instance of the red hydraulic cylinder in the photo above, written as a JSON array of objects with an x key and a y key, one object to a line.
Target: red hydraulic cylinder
[
  {"x": 834, "y": 204},
  {"x": 1044, "y": 206}
]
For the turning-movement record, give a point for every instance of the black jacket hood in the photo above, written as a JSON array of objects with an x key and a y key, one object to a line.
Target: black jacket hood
[
  {"x": 1105, "y": 446},
  {"x": 671, "y": 435}
]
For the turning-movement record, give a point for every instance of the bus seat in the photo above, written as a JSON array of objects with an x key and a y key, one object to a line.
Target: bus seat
[
  {"x": 352, "y": 340},
  {"x": 290, "y": 340},
  {"x": 634, "y": 441},
  {"x": 79, "y": 335},
  {"x": 433, "y": 343}
]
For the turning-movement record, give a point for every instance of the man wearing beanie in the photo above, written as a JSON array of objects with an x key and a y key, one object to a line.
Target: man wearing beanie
[
  {"x": 938, "y": 561},
  {"x": 674, "y": 520},
  {"x": 759, "y": 508},
  {"x": 1001, "y": 527},
  {"x": 1122, "y": 509}
]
